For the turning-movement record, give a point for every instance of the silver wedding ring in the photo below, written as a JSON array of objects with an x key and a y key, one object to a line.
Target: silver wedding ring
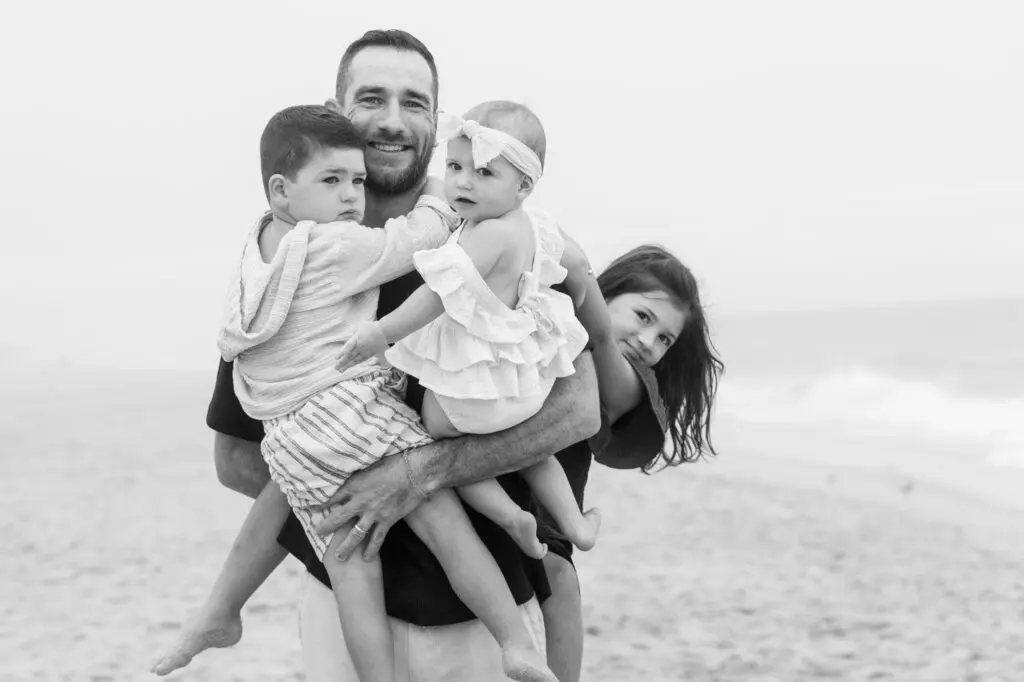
[{"x": 359, "y": 531}]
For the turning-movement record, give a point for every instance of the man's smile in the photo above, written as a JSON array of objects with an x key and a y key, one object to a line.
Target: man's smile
[{"x": 390, "y": 147}]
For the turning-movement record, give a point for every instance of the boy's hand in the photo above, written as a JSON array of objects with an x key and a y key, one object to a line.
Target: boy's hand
[{"x": 366, "y": 342}]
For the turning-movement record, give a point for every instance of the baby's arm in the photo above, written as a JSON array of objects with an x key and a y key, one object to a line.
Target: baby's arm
[{"x": 619, "y": 386}]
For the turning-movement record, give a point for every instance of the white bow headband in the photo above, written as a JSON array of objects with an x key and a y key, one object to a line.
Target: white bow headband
[{"x": 489, "y": 143}]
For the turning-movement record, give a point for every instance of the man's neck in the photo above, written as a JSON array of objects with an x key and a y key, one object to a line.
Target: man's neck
[{"x": 381, "y": 208}]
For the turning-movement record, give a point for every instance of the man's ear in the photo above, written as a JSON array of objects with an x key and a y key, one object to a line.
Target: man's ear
[{"x": 334, "y": 105}]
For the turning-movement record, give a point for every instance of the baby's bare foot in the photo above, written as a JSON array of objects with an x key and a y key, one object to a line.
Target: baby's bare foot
[
  {"x": 206, "y": 631},
  {"x": 523, "y": 529},
  {"x": 586, "y": 535},
  {"x": 525, "y": 665}
]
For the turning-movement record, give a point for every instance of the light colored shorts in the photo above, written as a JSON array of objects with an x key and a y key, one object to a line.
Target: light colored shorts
[
  {"x": 465, "y": 652},
  {"x": 339, "y": 431}
]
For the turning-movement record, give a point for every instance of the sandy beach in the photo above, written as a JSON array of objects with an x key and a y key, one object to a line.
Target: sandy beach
[{"x": 771, "y": 563}]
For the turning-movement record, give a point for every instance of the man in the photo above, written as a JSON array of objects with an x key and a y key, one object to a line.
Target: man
[{"x": 387, "y": 85}]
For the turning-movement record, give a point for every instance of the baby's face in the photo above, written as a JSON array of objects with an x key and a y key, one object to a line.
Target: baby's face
[
  {"x": 329, "y": 187},
  {"x": 479, "y": 193}
]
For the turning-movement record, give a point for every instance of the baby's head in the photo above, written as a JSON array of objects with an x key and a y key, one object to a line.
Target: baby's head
[
  {"x": 504, "y": 182},
  {"x": 312, "y": 162}
]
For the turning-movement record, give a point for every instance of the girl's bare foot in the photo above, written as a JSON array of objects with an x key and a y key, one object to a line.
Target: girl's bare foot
[
  {"x": 585, "y": 536},
  {"x": 522, "y": 527},
  {"x": 207, "y": 630},
  {"x": 525, "y": 665}
]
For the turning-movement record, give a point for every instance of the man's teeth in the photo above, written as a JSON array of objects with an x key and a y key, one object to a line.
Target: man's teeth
[{"x": 388, "y": 147}]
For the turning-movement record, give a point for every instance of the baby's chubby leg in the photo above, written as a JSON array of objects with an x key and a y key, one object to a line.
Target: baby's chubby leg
[
  {"x": 358, "y": 587},
  {"x": 436, "y": 422},
  {"x": 253, "y": 557},
  {"x": 442, "y": 524},
  {"x": 491, "y": 500},
  {"x": 549, "y": 484}
]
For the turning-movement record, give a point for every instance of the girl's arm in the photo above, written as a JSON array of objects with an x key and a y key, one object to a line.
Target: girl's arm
[
  {"x": 619, "y": 386},
  {"x": 483, "y": 244}
]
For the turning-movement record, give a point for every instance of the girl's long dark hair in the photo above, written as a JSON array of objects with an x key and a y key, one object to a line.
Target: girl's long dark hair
[{"x": 689, "y": 371}]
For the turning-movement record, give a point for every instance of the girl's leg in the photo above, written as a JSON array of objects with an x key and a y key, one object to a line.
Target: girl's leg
[
  {"x": 491, "y": 500},
  {"x": 563, "y": 619},
  {"x": 253, "y": 557},
  {"x": 359, "y": 590},
  {"x": 442, "y": 524},
  {"x": 549, "y": 484}
]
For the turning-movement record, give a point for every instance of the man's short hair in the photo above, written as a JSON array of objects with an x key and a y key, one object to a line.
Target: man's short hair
[
  {"x": 515, "y": 119},
  {"x": 393, "y": 38},
  {"x": 295, "y": 134}
]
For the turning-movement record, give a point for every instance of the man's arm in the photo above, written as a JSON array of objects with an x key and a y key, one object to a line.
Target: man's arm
[
  {"x": 381, "y": 495},
  {"x": 240, "y": 465}
]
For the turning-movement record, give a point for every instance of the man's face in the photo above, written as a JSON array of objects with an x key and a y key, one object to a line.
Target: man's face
[
  {"x": 328, "y": 188},
  {"x": 389, "y": 98}
]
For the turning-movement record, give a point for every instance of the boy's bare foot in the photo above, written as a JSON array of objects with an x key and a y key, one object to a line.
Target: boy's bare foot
[
  {"x": 206, "y": 631},
  {"x": 525, "y": 665},
  {"x": 585, "y": 536},
  {"x": 523, "y": 529}
]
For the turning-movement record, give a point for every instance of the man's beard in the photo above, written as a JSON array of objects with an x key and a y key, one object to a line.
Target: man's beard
[{"x": 410, "y": 178}]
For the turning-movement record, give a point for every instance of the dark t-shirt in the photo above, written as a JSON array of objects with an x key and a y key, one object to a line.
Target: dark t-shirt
[
  {"x": 633, "y": 440},
  {"x": 416, "y": 589}
]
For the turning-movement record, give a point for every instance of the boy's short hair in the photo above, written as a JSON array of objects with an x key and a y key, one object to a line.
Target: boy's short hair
[
  {"x": 295, "y": 134},
  {"x": 515, "y": 119}
]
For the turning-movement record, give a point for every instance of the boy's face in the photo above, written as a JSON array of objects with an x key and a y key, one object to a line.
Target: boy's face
[
  {"x": 479, "y": 193},
  {"x": 329, "y": 187}
]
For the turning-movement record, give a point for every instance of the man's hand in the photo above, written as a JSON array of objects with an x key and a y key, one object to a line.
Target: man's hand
[
  {"x": 377, "y": 498},
  {"x": 366, "y": 342}
]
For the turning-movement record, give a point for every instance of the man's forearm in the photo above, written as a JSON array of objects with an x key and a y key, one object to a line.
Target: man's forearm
[
  {"x": 240, "y": 465},
  {"x": 570, "y": 414}
]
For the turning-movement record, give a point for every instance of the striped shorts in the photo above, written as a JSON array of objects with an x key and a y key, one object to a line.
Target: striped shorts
[{"x": 339, "y": 431}]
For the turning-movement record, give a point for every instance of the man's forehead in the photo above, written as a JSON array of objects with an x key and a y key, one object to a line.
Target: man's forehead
[{"x": 390, "y": 69}]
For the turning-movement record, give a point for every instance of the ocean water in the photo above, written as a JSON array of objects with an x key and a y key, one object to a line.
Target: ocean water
[{"x": 945, "y": 379}]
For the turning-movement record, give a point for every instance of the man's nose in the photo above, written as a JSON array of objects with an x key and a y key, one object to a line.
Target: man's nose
[{"x": 392, "y": 118}]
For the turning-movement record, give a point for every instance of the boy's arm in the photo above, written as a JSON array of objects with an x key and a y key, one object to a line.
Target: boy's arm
[
  {"x": 483, "y": 244},
  {"x": 381, "y": 495},
  {"x": 367, "y": 257}
]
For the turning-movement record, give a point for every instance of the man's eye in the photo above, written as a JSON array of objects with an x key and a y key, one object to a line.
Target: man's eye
[
  {"x": 415, "y": 105},
  {"x": 372, "y": 100}
]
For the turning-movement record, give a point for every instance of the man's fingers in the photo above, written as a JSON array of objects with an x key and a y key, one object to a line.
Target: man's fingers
[
  {"x": 337, "y": 518},
  {"x": 372, "y": 548},
  {"x": 353, "y": 540},
  {"x": 339, "y": 499}
]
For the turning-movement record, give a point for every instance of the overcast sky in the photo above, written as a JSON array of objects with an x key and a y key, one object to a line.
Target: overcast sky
[{"x": 794, "y": 154}]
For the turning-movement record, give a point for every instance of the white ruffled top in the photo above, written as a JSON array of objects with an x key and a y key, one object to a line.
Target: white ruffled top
[{"x": 479, "y": 348}]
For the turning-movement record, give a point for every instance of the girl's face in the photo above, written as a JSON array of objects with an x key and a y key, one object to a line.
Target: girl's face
[{"x": 646, "y": 325}]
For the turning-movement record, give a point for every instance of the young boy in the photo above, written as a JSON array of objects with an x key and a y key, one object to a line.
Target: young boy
[{"x": 308, "y": 275}]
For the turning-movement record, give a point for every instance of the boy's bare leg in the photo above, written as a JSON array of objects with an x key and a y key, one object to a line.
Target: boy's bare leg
[
  {"x": 491, "y": 500},
  {"x": 253, "y": 557},
  {"x": 442, "y": 524},
  {"x": 359, "y": 590},
  {"x": 550, "y": 486}
]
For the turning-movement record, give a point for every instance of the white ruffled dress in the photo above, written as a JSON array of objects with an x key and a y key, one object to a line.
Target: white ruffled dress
[{"x": 491, "y": 366}]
